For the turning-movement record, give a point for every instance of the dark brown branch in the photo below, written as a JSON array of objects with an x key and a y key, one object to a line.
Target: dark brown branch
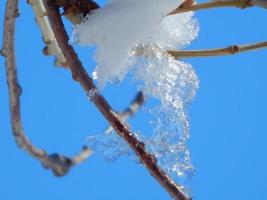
[
  {"x": 260, "y": 3},
  {"x": 80, "y": 74},
  {"x": 131, "y": 110},
  {"x": 59, "y": 164}
]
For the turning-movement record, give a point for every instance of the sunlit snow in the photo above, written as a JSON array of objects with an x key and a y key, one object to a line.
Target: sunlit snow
[{"x": 133, "y": 36}]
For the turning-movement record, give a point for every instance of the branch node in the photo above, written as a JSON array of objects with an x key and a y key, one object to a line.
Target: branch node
[
  {"x": 20, "y": 89},
  {"x": 3, "y": 52},
  {"x": 75, "y": 77},
  {"x": 234, "y": 49},
  {"x": 246, "y": 4},
  {"x": 46, "y": 51},
  {"x": 17, "y": 12},
  {"x": 59, "y": 164}
]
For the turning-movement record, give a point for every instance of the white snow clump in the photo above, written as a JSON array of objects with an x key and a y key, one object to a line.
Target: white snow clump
[{"x": 134, "y": 35}]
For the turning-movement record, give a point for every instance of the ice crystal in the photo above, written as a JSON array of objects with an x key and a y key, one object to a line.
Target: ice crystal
[
  {"x": 175, "y": 86},
  {"x": 134, "y": 36},
  {"x": 109, "y": 145}
]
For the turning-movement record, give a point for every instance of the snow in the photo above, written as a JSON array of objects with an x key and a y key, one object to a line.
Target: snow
[
  {"x": 117, "y": 28},
  {"x": 134, "y": 36}
]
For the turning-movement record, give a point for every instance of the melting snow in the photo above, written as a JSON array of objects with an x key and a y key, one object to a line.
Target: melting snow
[{"x": 133, "y": 36}]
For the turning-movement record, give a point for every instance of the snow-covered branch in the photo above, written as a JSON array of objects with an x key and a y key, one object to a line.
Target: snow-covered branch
[
  {"x": 142, "y": 47},
  {"x": 80, "y": 74}
]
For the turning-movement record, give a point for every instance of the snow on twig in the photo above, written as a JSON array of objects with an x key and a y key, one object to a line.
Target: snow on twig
[
  {"x": 79, "y": 73},
  {"x": 119, "y": 31}
]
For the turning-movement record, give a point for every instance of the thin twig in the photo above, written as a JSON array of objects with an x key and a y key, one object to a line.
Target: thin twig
[
  {"x": 231, "y": 50},
  {"x": 214, "y": 4},
  {"x": 131, "y": 110},
  {"x": 80, "y": 74},
  {"x": 59, "y": 164}
]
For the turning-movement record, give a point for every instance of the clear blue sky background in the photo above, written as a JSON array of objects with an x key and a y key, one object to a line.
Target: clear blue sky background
[{"x": 228, "y": 120}]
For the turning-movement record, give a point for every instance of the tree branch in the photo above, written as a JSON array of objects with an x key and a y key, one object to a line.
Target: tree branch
[
  {"x": 214, "y": 4},
  {"x": 48, "y": 36},
  {"x": 131, "y": 110},
  {"x": 59, "y": 164},
  {"x": 80, "y": 74},
  {"x": 231, "y": 50},
  {"x": 74, "y": 10}
]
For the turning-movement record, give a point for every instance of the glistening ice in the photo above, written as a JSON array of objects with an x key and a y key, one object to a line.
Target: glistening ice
[{"x": 133, "y": 37}]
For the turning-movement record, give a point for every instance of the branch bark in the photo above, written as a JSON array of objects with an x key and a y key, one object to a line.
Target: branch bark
[
  {"x": 214, "y": 4},
  {"x": 59, "y": 164},
  {"x": 231, "y": 50},
  {"x": 131, "y": 110},
  {"x": 79, "y": 74},
  {"x": 74, "y": 10}
]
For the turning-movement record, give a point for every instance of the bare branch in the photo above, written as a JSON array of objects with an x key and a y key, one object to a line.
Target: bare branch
[
  {"x": 260, "y": 3},
  {"x": 51, "y": 47},
  {"x": 231, "y": 50},
  {"x": 131, "y": 110},
  {"x": 74, "y": 10},
  {"x": 82, "y": 156},
  {"x": 59, "y": 164},
  {"x": 214, "y": 4},
  {"x": 80, "y": 74}
]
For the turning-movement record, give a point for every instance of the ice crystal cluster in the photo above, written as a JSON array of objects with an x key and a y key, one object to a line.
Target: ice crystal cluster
[{"x": 134, "y": 36}]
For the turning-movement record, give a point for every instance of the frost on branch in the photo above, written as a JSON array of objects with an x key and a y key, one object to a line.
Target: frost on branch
[{"x": 134, "y": 36}]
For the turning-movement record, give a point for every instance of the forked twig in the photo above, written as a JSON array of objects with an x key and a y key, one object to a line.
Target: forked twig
[
  {"x": 80, "y": 74},
  {"x": 231, "y": 50},
  {"x": 59, "y": 164}
]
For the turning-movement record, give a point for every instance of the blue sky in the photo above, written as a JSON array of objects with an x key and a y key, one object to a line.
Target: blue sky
[{"x": 228, "y": 117}]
